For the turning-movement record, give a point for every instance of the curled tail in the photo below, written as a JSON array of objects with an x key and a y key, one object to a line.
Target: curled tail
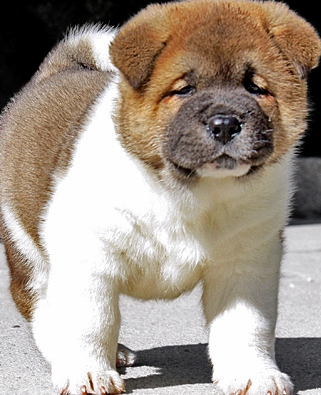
[{"x": 85, "y": 47}]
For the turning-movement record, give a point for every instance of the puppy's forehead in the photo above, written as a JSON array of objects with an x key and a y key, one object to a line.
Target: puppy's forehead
[
  {"x": 212, "y": 21},
  {"x": 219, "y": 40}
]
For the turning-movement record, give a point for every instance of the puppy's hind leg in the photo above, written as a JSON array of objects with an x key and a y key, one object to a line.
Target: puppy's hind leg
[{"x": 125, "y": 356}]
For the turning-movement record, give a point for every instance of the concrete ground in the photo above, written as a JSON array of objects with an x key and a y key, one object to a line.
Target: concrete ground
[{"x": 170, "y": 338}]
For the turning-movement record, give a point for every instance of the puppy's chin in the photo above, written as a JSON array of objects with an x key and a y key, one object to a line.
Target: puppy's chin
[{"x": 228, "y": 167}]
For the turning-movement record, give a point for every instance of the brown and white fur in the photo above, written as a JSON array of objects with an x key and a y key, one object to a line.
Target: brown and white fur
[{"x": 112, "y": 183}]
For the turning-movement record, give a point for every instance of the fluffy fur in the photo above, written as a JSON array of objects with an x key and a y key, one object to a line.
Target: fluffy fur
[{"x": 97, "y": 200}]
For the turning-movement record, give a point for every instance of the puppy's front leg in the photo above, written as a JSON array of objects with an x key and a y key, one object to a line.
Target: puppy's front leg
[
  {"x": 240, "y": 304},
  {"x": 76, "y": 327}
]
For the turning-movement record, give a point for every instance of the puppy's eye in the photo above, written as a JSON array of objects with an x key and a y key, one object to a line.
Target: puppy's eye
[
  {"x": 254, "y": 89},
  {"x": 185, "y": 91}
]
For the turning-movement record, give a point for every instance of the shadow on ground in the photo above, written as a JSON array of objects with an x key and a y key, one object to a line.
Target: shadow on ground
[
  {"x": 176, "y": 365},
  {"x": 189, "y": 364},
  {"x": 301, "y": 359}
]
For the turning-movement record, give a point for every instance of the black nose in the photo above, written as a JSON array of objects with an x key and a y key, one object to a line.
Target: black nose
[{"x": 224, "y": 127}]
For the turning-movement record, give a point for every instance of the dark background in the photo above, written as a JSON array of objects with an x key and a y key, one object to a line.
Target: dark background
[{"x": 30, "y": 29}]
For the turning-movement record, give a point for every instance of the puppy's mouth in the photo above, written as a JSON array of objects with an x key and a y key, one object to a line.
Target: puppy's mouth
[{"x": 222, "y": 166}]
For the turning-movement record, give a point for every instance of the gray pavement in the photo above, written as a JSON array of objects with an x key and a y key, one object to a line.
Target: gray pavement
[{"x": 170, "y": 337}]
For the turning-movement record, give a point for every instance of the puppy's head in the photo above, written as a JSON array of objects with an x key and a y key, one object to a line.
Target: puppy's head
[{"x": 213, "y": 87}]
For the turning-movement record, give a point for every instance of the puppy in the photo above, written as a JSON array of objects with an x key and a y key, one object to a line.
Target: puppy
[{"x": 146, "y": 160}]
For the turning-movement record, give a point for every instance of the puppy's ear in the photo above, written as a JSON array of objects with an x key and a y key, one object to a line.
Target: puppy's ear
[
  {"x": 295, "y": 37},
  {"x": 139, "y": 43}
]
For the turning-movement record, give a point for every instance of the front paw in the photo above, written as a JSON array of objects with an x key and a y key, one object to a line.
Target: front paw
[
  {"x": 90, "y": 383},
  {"x": 266, "y": 382}
]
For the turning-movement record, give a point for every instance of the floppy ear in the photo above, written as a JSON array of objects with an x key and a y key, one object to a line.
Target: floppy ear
[
  {"x": 138, "y": 44},
  {"x": 295, "y": 37}
]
